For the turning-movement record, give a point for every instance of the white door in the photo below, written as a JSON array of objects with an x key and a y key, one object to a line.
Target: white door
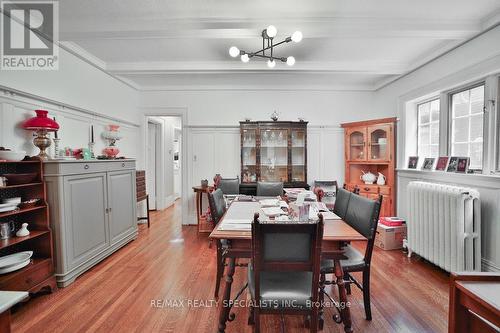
[{"x": 151, "y": 165}]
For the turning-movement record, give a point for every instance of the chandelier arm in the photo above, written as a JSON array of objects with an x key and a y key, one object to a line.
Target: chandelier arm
[{"x": 267, "y": 48}]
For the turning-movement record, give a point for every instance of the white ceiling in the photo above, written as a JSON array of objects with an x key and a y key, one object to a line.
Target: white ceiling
[{"x": 348, "y": 44}]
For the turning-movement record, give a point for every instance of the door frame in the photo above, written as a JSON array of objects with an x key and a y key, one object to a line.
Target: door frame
[
  {"x": 158, "y": 197},
  {"x": 181, "y": 112}
]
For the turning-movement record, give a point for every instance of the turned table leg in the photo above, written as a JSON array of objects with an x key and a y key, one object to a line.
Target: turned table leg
[
  {"x": 344, "y": 309},
  {"x": 225, "y": 307}
]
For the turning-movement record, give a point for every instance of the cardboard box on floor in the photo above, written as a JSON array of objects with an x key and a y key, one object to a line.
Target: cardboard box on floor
[{"x": 390, "y": 238}]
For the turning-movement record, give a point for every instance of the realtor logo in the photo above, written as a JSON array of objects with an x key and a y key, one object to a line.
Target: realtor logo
[{"x": 30, "y": 31}]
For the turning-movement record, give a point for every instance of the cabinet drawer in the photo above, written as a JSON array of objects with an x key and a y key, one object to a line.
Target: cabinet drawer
[
  {"x": 385, "y": 190},
  {"x": 121, "y": 165},
  {"x": 369, "y": 189},
  {"x": 81, "y": 167},
  {"x": 27, "y": 278}
]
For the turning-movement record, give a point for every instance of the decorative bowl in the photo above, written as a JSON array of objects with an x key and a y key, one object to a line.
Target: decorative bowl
[
  {"x": 20, "y": 178},
  {"x": 111, "y": 151},
  {"x": 10, "y": 155}
]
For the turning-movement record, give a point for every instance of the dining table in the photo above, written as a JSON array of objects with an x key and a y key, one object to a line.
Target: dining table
[{"x": 336, "y": 233}]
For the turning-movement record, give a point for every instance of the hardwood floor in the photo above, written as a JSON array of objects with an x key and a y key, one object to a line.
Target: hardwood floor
[{"x": 170, "y": 262}]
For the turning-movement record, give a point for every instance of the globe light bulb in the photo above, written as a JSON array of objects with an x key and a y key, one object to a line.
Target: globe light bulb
[
  {"x": 271, "y": 64},
  {"x": 271, "y": 31},
  {"x": 245, "y": 58},
  {"x": 297, "y": 36},
  {"x": 290, "y": 61},
  {"x": 233, "y": 51}
]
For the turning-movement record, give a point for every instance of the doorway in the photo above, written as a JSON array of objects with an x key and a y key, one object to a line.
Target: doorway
[{"x": 164, "y": 160}]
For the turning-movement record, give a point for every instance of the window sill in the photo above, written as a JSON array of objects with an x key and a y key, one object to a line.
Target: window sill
[{"x": 467, "y": 179}]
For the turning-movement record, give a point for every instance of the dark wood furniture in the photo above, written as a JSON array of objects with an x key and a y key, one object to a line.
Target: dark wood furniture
[
  {"x": 370, "y": 147},
  {"x": 204, "y": 225},
  {"x": 217, "y": 206},
  {"x": 7, "y": 300},
  {"x": 474, "y": 298},
  {"x": 39, "y": 274},
  {"x": 140, "y": 181},
  {"x": 294, "y": 263},
  {"x": 273, "y": 151},
  {"x": 336, "y": 233}
]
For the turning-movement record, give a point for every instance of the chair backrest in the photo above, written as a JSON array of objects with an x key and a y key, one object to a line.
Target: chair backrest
[
  {"x": 217, "y": 205},
  {"x": 229, "y": 185},
  {"x": 341, "y": 202},
  {"x": 286, "y": 247},
  {"x": 269, "y": 189},
  {"x": 362, "y": 214}
]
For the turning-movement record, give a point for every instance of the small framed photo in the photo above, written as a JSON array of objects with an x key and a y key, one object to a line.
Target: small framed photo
[
  {"x": 452, "y": 164},
  {"x": 463, "y": 164},
  {"x": 442, "y": 163},
  {"x": 428, "y": 163},
  {"x": 412, "y": 162}
]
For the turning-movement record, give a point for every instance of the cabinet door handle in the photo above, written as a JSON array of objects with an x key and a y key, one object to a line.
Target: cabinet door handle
[
  {"x": 86, "y": 166},
  {"x": 123, "y": 165}
]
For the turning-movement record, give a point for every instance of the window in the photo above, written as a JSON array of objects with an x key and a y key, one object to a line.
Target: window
[
  {"x": 467, "y": 113},
  {"x": 428, "y": 129}
]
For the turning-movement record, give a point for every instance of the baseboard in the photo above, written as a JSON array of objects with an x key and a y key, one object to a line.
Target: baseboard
[
  {"x": 169, "y": 201},
  {"x": 488, "y": 266}
]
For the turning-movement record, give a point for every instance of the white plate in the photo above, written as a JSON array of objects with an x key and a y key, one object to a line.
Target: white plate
[
  {"x": 16, "y": 200},
  {"x": 9, "y": 204},
  {"x": 8, "y": 208},
  {"x": 15, "y": 267},
  {"x": 15, "y": 259}
]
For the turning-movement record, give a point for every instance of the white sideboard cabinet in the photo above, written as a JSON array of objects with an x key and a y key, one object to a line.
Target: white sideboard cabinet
[{"x": 92, "y": 212}]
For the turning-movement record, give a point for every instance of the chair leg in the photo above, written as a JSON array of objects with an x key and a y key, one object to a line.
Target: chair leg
[
  {"x": 220, "y": 271},
  {"x": 366, "y": 293},
  {"x": 347, "y": 282},
  {"x": 251, "y": 320},
  {"x": 147, "y": 208},
  {"x": 321, "y": 297},
  {"x": 314, "y": 320},
  {"x": 256, "y": 319}
]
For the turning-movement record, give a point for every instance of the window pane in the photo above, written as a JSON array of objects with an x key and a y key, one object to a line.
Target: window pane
[
  {"x": 423, "y": 113},
  {"x": 460, "y": 104},
  {"x": 424, "y": 151},
  {"x": 435, "y": 110},
  {"x": 476, "y": 128},
  {"x": 423, "y": 132},
  {"x": 477, "y": 100},
  {"x": 428, "y": 128},
  {"x": 434, "y": 151},
  {"x": 461, "y": 130},
  {"x": 476, "y": 155},
  {"x": 460, "y": 149},
  {"x": 434, "y": 133}
]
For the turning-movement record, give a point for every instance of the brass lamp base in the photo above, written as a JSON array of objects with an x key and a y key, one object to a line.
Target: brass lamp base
[{"x": 42, "y": 142}]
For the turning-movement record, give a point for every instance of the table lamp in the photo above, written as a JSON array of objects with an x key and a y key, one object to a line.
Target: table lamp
[{"x": 41, "y": 124}]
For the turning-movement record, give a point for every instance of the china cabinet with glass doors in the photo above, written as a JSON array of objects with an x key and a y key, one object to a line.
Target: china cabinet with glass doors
[
  {"x": 370, "y": 148},
  {"x": 273, "y": 151}
]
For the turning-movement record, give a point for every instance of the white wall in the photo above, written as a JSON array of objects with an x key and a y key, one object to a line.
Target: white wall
[{"x": 472, "y": 61}]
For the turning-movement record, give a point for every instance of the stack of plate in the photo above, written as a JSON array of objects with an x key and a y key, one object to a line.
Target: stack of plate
[
  {"x": 15, "y": 261},
  {"x": 9, "y": 204}
]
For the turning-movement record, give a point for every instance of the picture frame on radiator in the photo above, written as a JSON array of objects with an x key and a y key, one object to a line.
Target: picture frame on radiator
[
  {"x": 428, "y": 163},
  {"x": 442, "y": 163},
  {"x": 452, "y": 164},
  {"x": 463, "y": 164},
  {"x": 412, "y": 162}
]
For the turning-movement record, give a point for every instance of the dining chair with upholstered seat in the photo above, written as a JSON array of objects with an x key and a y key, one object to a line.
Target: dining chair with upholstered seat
[
  {"x": 341, "y": 202},
  {"x": 229, "y": 185},
  {"x": 283, "y": 276},
  {"x": 362, "y": 214},
  {"x": 217, "y": 206},
  {"x": 269, "y": 189}
]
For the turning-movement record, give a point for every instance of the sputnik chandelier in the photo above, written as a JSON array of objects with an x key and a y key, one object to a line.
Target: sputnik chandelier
[{"x": 268, "y": 45}]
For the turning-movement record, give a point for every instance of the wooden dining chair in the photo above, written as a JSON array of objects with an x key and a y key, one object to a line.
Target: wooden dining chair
[
  {"x": 217, "y": 206},
  {"x": 341, "y": 202},
  {"x": 283, "y": 276},
  {"x": 229, "y": 185},
  {"x": 269, "y": 189},
  {"x": 362, "y": 214}
]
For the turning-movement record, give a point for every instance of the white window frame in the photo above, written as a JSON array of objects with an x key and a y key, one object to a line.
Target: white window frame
[{"x": 429, "y": 100}]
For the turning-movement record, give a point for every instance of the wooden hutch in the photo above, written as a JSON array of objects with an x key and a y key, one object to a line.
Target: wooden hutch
[
  {"x": 370, "y": 147},
  {"x": 39, "y": 274},
  {"x": 273, "y": 151}
]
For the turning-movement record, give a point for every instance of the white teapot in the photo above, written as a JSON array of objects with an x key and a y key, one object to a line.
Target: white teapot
[
  {"x": 380, "y": 179},
  {"x": 368, "y": 177}
]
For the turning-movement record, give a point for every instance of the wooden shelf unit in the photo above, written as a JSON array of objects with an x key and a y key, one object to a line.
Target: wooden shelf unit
[
  {"x": 370, "y": 146},
  {"x": 39, "y": 274}
]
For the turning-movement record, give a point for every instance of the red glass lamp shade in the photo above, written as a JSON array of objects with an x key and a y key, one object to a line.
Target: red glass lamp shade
[{"x": 41, "y": 122}]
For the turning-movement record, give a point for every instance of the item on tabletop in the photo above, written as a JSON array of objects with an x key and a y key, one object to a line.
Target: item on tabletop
[
  {"x": 273, "y": 211},
  {"x": 29, "y": 203},
  {"x": 92, "y": 142},
  {"x": 7, "y": 207},
  {"x": 204, "y": 183},
  {"x": 269, "y": 202},
  {"x": 7, "y": 229},
  {"x": 112, "y": 135},
  {"x": 412, "y": 162},
  {"x": 23, "y": 231},
  {"x": 463, "y": 164},
  {"x": 3, "y": 181},
  {"x": 368, "y": 177},
  {"x": 380, "y": 179},
  {"x": 442, "y": 163},
  {"x": 41, "y": 124},
  {"x": 20, "y": 178},
  {"x": 86, "y": 154},
  {"x": 56, "y": 147},
  {"x": 391, "y": 221},
  {"x": 275, "y": 115},
  {"x": 304, "y": 212},
  {"x": 428, "y": 163},
  {"x": 10, "y": 155},
  {"x": 217, "y": 179},
  {"x": 452, "y": 164},
  {"x": 13, "y": 262},
  {"x": 13, "y": 200}
]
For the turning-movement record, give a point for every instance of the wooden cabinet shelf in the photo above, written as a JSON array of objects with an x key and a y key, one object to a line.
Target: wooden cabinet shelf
[
  {"x": 370, "y": 147},
  {"x": 20, "y": 186},
  {"x": 15, "y": 240},
  {"x": 21, "y": 211},
  {"x": 274, "y": 151}
]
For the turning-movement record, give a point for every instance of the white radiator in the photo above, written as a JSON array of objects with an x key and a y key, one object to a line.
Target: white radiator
[{"x": 444, "y": 225}]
